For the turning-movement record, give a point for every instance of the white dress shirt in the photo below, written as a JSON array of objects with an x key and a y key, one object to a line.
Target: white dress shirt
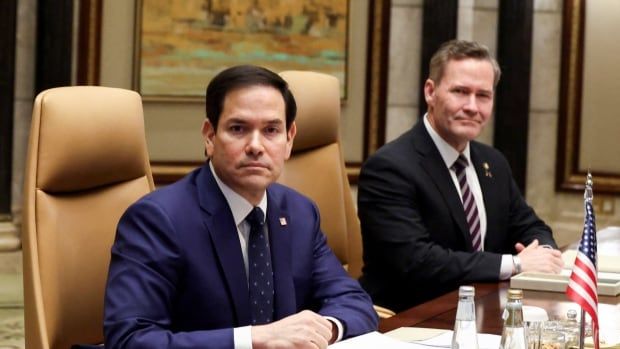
[
  {"x": 449, "y": 156},
  {"x": 240, "y": 208}
]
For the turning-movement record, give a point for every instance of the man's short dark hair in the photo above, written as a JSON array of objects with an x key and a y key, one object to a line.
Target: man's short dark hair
[{"x": 241, "y": 76}]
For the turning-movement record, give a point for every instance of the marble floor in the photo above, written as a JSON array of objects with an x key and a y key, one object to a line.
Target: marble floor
[{"x": 11, "y": 301}]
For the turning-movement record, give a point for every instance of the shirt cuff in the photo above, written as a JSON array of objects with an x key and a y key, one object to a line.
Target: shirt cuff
[
  {"x": 242, "y": 337},
  {"x": 505, "y": 270},
  {"x": 338, "y": 327}
]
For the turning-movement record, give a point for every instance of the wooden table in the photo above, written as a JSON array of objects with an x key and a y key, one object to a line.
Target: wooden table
[
  {"x": 491, "y": 297},
  {"x": 490, "y": 301}
]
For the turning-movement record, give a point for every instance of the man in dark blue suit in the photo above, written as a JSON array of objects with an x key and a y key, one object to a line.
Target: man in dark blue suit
[
  {"x": 439, "y": 209},
  {"x": 225, "y": 257}
]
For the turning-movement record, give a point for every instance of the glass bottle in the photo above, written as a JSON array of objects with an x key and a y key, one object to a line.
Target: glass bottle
[
  {"x": 570, "y": 327},
  {"x": 513, "y": 333},
  {"x": 465, "y": 335}
]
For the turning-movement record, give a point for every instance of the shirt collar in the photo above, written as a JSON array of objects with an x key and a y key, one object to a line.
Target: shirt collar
[
  {"x": 448, "y": 154},
  {"x": 239, "y": 206}
]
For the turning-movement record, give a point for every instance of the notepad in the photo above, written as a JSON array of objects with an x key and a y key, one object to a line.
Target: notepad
[
  {"x": 439, "y": 339},
  {"x": 607, "y": 264},
  {"x": 608, "y": 283}
]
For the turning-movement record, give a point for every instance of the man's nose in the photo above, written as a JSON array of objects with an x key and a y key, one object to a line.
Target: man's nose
[
  {"x": 471, "y": 104},
  {"x": 255, "y": 143}
]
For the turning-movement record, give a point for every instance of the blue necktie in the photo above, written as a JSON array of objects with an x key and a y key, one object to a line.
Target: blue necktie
[{"x": 260, "y": 278}]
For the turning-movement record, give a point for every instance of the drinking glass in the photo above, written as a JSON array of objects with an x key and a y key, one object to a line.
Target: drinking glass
[
  {"x": 552, "y": 338},
  {"x": 533, "y": 334}
]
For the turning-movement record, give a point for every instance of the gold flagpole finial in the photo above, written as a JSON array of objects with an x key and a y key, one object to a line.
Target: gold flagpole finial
[{"x": 588, "y": 195}]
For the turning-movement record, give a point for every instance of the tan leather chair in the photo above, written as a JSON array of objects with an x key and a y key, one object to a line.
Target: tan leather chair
[
  {"x": 316, "y": 167},
  {"x": 87, "y": 162}
]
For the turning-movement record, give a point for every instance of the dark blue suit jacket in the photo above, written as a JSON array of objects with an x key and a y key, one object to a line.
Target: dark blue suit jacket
[{"x": 177, "y": 278}]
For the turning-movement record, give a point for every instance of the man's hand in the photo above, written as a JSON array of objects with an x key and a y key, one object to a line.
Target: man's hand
[
  {"x": 303, "y": 330},
  {"x": 539, "y": 259}
]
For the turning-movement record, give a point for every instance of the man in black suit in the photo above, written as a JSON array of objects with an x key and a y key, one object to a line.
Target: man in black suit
[{"x": 431, "y": 223}]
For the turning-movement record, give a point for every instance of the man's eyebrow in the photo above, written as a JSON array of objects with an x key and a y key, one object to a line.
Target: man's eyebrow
[
  {"x": 236, "y": 120},
  {"x": 275, "y": 121}
]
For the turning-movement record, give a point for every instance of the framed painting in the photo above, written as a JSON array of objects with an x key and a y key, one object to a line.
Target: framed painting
[
  {"x": 182, "y": 44},
  {"x": 588, "y": 122},
  {"x": 106, "y": 55}
]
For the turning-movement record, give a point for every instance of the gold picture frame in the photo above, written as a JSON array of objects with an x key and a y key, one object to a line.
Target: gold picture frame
[
  {"x": 371, "y": 105},
  {"x": 181, "y": 45}
]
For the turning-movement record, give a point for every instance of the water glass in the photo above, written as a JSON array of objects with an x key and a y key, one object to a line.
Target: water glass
[
  {"x": 533, "y": 334},
  {"x": 552, "y": 338}
]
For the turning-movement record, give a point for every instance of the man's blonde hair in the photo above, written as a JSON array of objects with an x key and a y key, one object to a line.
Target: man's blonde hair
[{"x": 456, "y": 50}]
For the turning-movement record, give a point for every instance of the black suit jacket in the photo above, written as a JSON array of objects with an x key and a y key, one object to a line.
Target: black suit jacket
[{"x": 417, "y": 244}]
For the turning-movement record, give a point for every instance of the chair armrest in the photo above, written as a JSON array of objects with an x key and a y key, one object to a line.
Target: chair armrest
[{"x": 383, "y": 313}]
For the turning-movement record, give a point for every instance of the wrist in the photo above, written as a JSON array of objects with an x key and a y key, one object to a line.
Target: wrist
[
  {"x": 259, "y": 337},
  {"x": 337, "y": 329},
  {"x": 516, "y": 265}
]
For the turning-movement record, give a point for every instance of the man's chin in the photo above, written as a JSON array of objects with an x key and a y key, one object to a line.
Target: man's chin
[
  {"x": 257, "y": 182},
  {"x": 469, "y": 132}
]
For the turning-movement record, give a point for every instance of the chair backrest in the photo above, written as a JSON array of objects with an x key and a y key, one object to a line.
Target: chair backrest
[
  {"x": 87, "y": 162},
  {"x": 316, "y": 167}
]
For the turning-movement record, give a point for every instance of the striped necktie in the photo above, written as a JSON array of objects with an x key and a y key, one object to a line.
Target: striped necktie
[{"x": 469, "y": 204}]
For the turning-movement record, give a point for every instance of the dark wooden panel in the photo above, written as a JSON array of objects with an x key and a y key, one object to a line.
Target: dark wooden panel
[
  {"x": 439, "y": 25},
  {"x": 8, "y": 12},
  {"x": 377, "y": 57},
  {"x": 54, "y": 44},
  {"x": 512, "y": 101},
  {"x": 89, "y": 42}
]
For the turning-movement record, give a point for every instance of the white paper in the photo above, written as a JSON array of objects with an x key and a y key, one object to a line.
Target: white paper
[
  {"x": 376, "y": 340},
  {"x": 372, "y": 340},
  {"x": 444, "y": 340}
]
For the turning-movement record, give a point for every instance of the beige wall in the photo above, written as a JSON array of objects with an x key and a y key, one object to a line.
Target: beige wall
[
  {"x": 24, "y": 86},
  {"x": 601, "y": 88}
]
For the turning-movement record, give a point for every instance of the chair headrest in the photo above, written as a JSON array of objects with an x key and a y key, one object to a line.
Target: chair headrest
[
  {"x": 318, "y": 108},
  {"x": 89, "y": 136}
]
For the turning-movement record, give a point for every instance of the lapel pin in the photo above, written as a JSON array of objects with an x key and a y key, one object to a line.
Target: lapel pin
[
  {"x": 282, "y": 221},
  {"x": 487, "y": 170}
]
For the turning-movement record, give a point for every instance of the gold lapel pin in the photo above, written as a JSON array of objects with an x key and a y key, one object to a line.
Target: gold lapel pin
[
  {"x": 487, "y": 170},
  {"x": 282, "y": 221}
]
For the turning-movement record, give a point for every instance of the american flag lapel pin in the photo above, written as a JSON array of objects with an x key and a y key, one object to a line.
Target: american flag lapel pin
[
  {"x": 487, "y": 170},
  {"x": 282, "y": 221}
]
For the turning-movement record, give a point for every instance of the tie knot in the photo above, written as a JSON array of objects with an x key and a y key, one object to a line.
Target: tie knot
[
  {"x": 256, "y": 218},
  {"x": 460, "y": 164}
]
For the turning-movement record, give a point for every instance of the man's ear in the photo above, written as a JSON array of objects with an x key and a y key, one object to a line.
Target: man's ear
[
  {"x": 429, "y": 91},
  {"x": 290, "y": 136},
  {"x": 208, "y": 134}
]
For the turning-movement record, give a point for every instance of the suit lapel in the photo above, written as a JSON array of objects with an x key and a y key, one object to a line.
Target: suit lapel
[
  {"x": 223, "y": 232},
  {"x": 280, "y": 242},
  {"x": 432, "y": 162}
]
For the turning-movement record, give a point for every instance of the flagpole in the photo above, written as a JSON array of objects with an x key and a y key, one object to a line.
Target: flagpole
[
  {"x": 582, "y": 330},
  {"x": 582, "y": 285}
]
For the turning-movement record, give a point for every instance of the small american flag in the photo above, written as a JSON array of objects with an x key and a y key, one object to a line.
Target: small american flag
[{"x": 582, "y": 286}]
